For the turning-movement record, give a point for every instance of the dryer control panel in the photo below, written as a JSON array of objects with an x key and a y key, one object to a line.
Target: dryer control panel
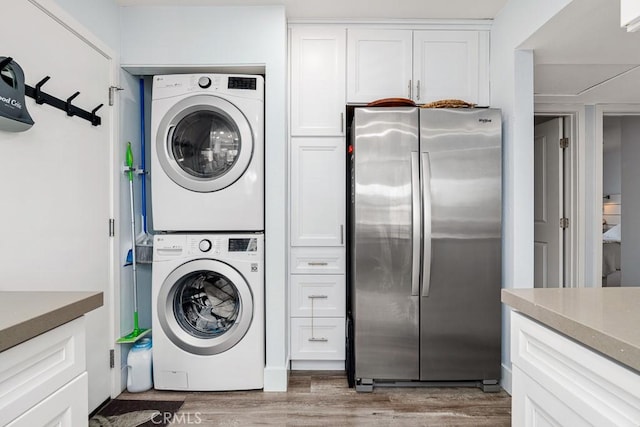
[{"x": 249, "y": 86}]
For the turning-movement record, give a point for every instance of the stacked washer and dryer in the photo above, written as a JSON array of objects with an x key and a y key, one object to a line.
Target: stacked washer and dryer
[{"x": 207, "y": 196}]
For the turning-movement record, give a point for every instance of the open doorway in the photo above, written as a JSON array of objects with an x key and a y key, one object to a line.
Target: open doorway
[
  {"x": 555, "y": 213},
  {"x": 620, "y": 200}
]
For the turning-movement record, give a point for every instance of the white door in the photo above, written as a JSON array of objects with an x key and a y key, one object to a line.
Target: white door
[
  {"x": 55, "y": 179},
  {"x": 317, "y": 60},
  {"x": 548, "y": 205},
  {"x": 378, "y": 64},
  {"x": 317, "y": 191}
]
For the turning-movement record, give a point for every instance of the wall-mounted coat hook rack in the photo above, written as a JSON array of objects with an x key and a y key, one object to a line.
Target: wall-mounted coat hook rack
[{"x": 66, "y": 105}]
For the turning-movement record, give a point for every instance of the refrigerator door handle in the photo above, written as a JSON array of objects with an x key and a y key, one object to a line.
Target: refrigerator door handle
[
  {"x": 426, "y": 212},
  {"x": 415, "y": 224}
]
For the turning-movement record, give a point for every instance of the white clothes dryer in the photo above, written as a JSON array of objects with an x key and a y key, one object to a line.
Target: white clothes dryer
[
  {"x": 207, "y": 152},
  {"x": 208, "y": 312}
]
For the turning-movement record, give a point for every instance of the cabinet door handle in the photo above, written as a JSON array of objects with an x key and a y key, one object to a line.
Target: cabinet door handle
[
  {"x": 342, "y": 234},
  {"x": 418, "y": 91},
  {"x": 318, "y": 296},
  {"x": 410, "y": 88},
  {"x": 341, "y": 122},
  {"x": 318, "y": 263},
  {"x": 318, "y": 339}
]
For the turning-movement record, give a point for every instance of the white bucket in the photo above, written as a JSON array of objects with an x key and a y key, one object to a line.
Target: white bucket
[{"x": 139, "y": 366}]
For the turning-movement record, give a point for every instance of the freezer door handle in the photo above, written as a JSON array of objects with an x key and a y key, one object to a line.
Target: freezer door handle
[
  {"x": 415, "y": 224},
  {"x": 426, "y": 215}
]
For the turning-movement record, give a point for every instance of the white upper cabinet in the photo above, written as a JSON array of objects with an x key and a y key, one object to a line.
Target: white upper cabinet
[
  {"x": 446, "y": 65},
  {"x": 317, "y": 80},
  {"x": 378, "y": 64},
  {"x": 423, "y": 65}
]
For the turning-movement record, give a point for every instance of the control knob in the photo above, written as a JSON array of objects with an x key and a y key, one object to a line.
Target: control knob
[
  {"x": 204, "y": 82},
  {"x": 205, "y": 245}
]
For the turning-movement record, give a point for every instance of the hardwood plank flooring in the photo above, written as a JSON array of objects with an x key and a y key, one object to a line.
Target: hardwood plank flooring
[{"x": 322, "y": 398}]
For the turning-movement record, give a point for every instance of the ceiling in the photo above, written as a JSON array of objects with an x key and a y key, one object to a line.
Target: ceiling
[
  {"x": 360, "y": 9},
  {"x": 581, "y": 55}
]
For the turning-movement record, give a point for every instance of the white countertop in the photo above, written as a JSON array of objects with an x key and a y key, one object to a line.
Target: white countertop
[
  {"x": 604, "y": 319},
  {"x": 24, "y": 315}
]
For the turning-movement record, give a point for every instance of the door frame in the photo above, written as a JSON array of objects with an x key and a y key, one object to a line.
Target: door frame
[
  {"x": 574, "y": 187},
  {"x": 602, "y": 110},
  {"x": 60, "y": 15}
]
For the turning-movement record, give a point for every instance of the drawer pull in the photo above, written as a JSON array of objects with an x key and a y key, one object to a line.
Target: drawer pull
[
  {"x": 318, "y": 263},
  {"x": 318, "y": 296},
  {"x": 318, "y": 340}
]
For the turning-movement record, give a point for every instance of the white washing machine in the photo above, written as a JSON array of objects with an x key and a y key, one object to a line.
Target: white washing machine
[
  {"x": 208, "y": 312},
  {"x": 207, "y": 153}
]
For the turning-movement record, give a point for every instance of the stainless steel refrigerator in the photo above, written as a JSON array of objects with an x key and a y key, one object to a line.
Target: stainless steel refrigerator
[{"x": 425, "y": 245}]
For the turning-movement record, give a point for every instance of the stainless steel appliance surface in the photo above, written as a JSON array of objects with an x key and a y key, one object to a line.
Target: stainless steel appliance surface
[{"x": 425, "y": 245}]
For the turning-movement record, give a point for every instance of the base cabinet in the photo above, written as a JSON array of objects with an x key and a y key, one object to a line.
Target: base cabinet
[
  {"x": 317, "y": 302},
  {"x": 559, "y": 382},
  {"x": 43, "y": 381}
]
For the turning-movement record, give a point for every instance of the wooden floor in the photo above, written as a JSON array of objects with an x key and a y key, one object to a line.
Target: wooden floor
[{"x": 323, "y": 398}]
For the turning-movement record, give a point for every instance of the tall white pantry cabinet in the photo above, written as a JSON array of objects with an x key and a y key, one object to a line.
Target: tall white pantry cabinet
[
  {"x": 317, "y": 185},
  {"x": 332, "y": 65}
]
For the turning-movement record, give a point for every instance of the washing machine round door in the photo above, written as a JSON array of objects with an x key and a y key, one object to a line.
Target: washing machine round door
[
  {"x": 205, "y": 307},
  {"x": 204, "y": 143}
]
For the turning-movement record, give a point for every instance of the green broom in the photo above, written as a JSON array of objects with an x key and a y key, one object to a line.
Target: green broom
[{"x": 137, "y": 333}]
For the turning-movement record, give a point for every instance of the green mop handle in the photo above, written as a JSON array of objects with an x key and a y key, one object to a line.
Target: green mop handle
[{"x": 130, "y": 161}]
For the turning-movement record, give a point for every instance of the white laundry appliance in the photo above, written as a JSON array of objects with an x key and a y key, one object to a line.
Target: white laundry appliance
[
  {"x": 208, "y": 311},
  {"x": 207, "y": 152}
]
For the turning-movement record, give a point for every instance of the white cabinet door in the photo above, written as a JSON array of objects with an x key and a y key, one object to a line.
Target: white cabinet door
[
  {"x": 317, "y": 191},
  {"x": 317, "y": 60},
  {"x": 378, "y": 64},
  {"x": 446, "y": 66}
]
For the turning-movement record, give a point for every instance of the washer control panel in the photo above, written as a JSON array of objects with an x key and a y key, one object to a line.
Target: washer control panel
[{"x": 238, "y": 246}]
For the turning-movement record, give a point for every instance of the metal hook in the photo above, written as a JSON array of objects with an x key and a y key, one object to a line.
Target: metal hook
[
  {"x": 95, "y": 120},
  {"x": 37, "y": 91},
  {"x": 68, "y": 104}
]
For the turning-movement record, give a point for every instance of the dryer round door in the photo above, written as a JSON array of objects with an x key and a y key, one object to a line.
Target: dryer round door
[
  {"x": 204, "y": 143},
  {"x": 205, "y": 307}
]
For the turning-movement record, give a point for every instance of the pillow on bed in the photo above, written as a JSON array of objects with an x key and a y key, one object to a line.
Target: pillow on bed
[{"x": 612, "y": 235}]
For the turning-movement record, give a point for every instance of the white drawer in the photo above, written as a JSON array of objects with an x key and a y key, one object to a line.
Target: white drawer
[
  {"x": 67, "y": 407},
  {"x": 33, "y": 370},
  {"x": 318, "y": 295},
  {"x": 328, "y": 260},
  {"x": 317, "y": 338}
]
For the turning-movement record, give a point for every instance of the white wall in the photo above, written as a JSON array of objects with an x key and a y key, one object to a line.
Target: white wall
[
  {"x": 630, "y": 139},
  {"x": 512, "y": 91},
  {"x": 156, "y": 37},
  {"x": 98, "y": 16}
]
